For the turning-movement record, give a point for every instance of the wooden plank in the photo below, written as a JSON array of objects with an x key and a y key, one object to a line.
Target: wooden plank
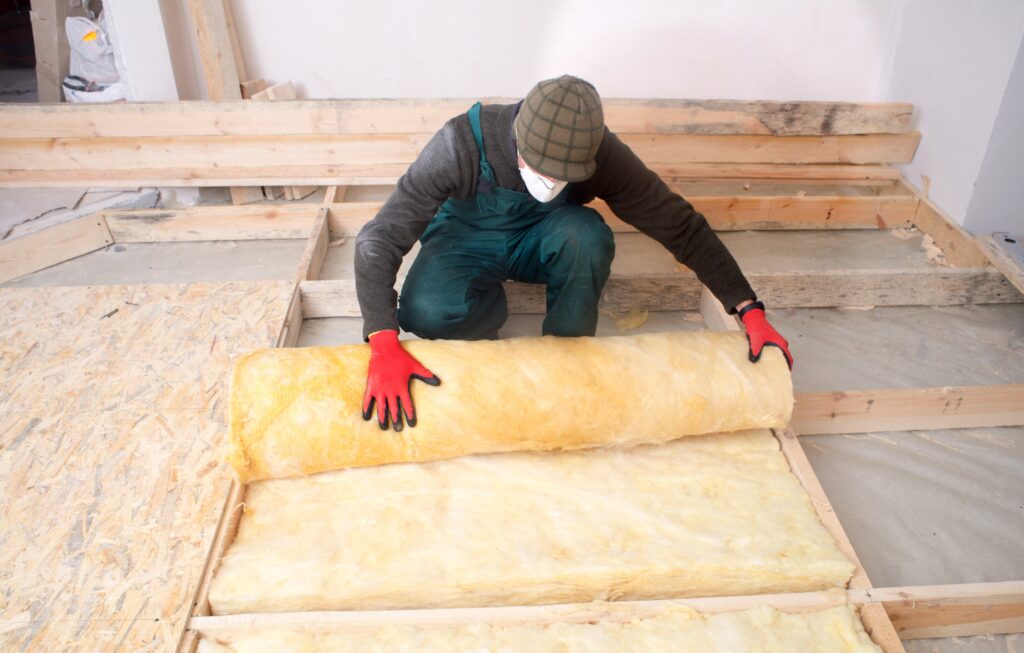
[
  {"x": 1011, "y": 269},
  {"x": 959, "y": 247},
  {"x": 954, "y": 610},
  {"x": 272, "y": 221},
  {"x": 316, "y": 248},
  {"x": 699, "y": 148},
  {"x": 228, "y": 625},
  {"x": 241, "y": 195},
  {"x": 908, "y": 409},
  {"x": 236, "y": 48},
  {"x": 253, "y": 86},
  {"x": 428, "y": 115},
  {"x": 54, "y": 245},
  {"x": 681, "y": 291},
  {"x": 351, "y": 174},
  {"x": 202, "y": 223},
  {"x": 216, "y": 54},
  {"x": 283, "y": 91},
  {"x": 157, "y": 153},
  {"x": 927, "y": 611},
  {"x": 918, "y": 611},
  {"x": 876, "y": 621},
  {"x": 801, "y": 467}
]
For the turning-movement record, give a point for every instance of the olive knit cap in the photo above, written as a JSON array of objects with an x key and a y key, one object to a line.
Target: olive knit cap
[{"x": 559, "y": 128}]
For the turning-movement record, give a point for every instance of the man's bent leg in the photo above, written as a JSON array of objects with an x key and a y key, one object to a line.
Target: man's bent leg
[
  {"x": 454, "y": 289},
  {"x": 571, "y": 251}
]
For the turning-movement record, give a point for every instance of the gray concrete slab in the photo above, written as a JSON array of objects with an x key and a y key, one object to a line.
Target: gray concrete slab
[
  {"x": 899, "y": 347},
  {"x": 984, "y": 644},
  {"x": 756, "y": 251},
  {"x": 928, "y": 507}
]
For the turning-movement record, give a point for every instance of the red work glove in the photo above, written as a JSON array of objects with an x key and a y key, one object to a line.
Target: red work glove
[
  {"x": 760, "y": 334},
  {"x": 391, "y": 372}
]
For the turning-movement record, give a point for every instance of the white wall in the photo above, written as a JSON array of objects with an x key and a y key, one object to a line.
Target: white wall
[
  {"x": 953, "y": 60},
  {"x": 744, "y": 49},
  {"x": 997, "y": 203}
]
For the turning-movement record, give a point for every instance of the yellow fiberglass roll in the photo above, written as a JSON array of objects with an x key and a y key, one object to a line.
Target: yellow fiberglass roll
[{"x": 298, "y": 411}]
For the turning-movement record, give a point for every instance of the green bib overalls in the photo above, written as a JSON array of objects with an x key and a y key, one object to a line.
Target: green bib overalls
[{"x": 454, "y": 288}]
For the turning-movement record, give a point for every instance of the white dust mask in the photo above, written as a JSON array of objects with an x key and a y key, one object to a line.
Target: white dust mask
[{"x": 542, "y": 189}]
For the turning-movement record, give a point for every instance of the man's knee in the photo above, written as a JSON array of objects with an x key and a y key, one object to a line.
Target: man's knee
[
  {"x": 428, "y": 316},
  {"x": 434, "y": 317},
  {"x": 580, "y": 231}
]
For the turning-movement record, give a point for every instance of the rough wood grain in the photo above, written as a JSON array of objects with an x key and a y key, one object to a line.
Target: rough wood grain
[
  {"x": 681, "y": 291},
  {"x": 1012, "y": 270},
  {"x": 199, "y": 223},
  {"x": 908, "y": 409},
  {"x": 428, "y": 115},
  {"x": 216, "y": 54},
  {"x": 954, "y": 610},
  {"x": 349, "y": 174},
  {"x": 53, "y": 245},
  {"x": 959, "y": 247}
]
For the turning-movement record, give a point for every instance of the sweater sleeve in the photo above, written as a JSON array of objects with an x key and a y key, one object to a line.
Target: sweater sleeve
[
  {"x": 439, "y": 170},
  {"x": 639, "y": 197}
]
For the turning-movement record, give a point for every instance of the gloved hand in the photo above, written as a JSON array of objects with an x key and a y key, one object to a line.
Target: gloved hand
[
  {"x": 391, "y": 372},
  {"x": 761, "y": 334}
]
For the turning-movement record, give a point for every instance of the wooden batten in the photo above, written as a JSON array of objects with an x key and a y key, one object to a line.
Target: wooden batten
[
  {"x": 1012, "y": 270},
  {"x": 955, "y": 610},
  {"x": 672, "y": 291},
  {"x": 316, "y": 248},
  {"x": 326, "y": 117},
  {"x": 959, "y": 247},
  {"x": 53, "y": 245},
  {"x": 908, "y": 409},
  {"x": 733, "y": 213}
]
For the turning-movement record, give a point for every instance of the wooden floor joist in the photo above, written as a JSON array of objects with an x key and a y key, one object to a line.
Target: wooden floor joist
[
  {"x": 917, "y": 612},
  {"x": 724, "y": 213},
  {"x": 908, "y": 409},
  {"x": 681, "y": 292}
]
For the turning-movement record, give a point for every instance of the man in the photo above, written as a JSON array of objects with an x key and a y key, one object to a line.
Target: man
[{"x": 499, "y": 193}]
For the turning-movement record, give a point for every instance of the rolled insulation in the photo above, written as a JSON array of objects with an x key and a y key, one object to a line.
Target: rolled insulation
[{"x": 298, "y": 411}]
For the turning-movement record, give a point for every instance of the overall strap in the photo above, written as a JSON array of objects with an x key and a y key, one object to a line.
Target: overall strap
[{"x": 486, "y": 180}]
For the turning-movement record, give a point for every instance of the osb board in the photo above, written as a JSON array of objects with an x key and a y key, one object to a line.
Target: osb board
[{"x": 112, "y": 403}]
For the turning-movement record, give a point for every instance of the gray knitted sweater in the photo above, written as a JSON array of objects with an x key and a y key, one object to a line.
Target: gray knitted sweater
[{"x": 449, "y": 166}]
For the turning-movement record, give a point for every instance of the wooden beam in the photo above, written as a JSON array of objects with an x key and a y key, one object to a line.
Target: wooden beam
[
  {"x": 953, "y": 610},
  {"x": 959, "y": 247},
  {"x": 201, "y": 223},
  {"x": 215, "y": 50},
  {"x": 908, "y": 409},
  {"x": 351, "y": 174},
  {"x": 918, "y": 611},
  {"x": 327, "y": 117},
  {"x": 54, "y": 245},
  {"x": 316, "y": 248},
  {"x": 801, "y": 467},
  {"x": 1011, "y": 269},
  {"x": 368, "y": 150},
  {"x": 278, "y": 92},
  {"x": 272, "y": 221},
  {"x": 681, "y": 291}
]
